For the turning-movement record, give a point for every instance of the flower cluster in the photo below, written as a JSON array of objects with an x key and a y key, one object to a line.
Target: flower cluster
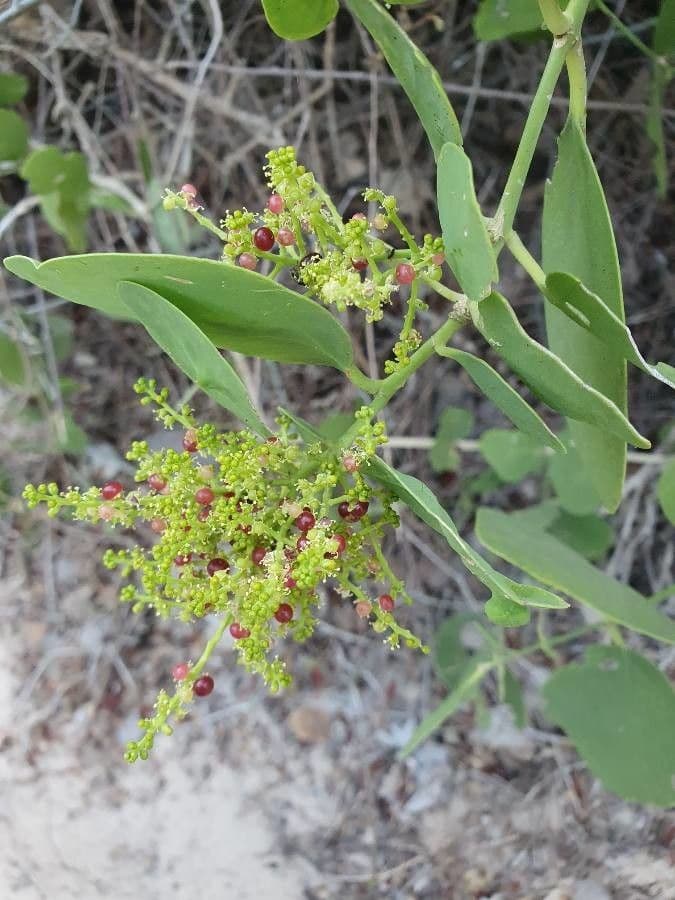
[{"x": 247, "y": 530}]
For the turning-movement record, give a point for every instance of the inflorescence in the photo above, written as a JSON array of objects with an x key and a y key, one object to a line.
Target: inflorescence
[{"x": 247, "y": 530}]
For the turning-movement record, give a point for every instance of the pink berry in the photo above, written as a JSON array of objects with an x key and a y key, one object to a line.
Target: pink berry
[
  {"x": 350, "y": 463},
  {"x": 359, "y": 216},
  {"x": 189, "y": 190},
  {"x": 204, "y": 496},
  {"x": 156, "y": 482},
  {"x": 203, "y": 686},
  {"x": 111, "y": 489},
  {"x": 284, "y": 613},
  {"x": 190, "y": 441},
  {"x": 182, "y": 559},
  {"x": 275, "y": 204},
  {"x": 438, "y": 259},
  {"x": 341, "y": 542},
  {"x": 217, "y": 564},
  {"x": 107, "y": 513},
  {"x": 158, "y": 525},
  {"x": 386, "y": 602},
  {"x": 360, "y": 264},
  {"x": 258, "y": 554},
  {"x": 180, "y": 671},
  {"x": 363, "y": 609},
  {"x": 204, "y": 513},
  {"x": 290, "y": 583},
  {"x": 285, "y": 237},
  {"x": 238, "y": 631},
  {"x": 302, "y": 543},
  {"x": 248, "y": 261},
  {"x": 263, "y": 238},
  {"x": 306, "y": 520},
  {"x": 405, "y": 273}
]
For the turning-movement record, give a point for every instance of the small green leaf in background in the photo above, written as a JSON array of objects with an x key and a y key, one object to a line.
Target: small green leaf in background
[
  {"x": 498, "y": 19},
  {"x": 468, "y": 247},
  {"x": 13, "y": 136},
  {"x": 451, "y": 656},
  {"x": 546, "y": 375},
  {"x": 504, "y": 397},
  {"x": 297, "y": 20},
  {"x": 12, "y": 365},
  {"x": 572, "y": 483},
  {"x": 665, "y": 490},
  {"x": 511, "y": 454},
  {"x": 577, "y": 237},
  {"x": 61, "y": 332},
  {"x": 75, "y": 440},
  {"x": 13, "y": 88},
  {"x": 236, "y": 309},
  {"x": 589, "y": 535},
  {"x": 62, "y": 182},
  {"x": 418, "y": 78},
  {"x": 333, "y": 427},
  {"x": 505, "y": 613},
  {"x": 619, "y": 711},
  {"x": 454, "y": 425},
  {"x": 192, "y": 351},
  {"x": 513, "y": 696},
  {"x": 553, "y": 563}
]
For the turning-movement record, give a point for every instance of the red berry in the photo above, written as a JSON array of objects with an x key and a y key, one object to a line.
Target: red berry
[
  {"x": 343, "y": 509},
  {"x": 306, "y": 520},
  {"x": 275, "y": 204},
  {"x": 386, "y": 602},
  {"x": 238, "y": 631},
  {"x": 179, "y": 671},
  {"x": 284, "y": 613},
  {"x": 290, "y": 583},
  {"x": 405, "y": 273},
  {"x": 203, "y": 686},
  {"x": 204, "y": 496},
  {"x": 218, "y": 564},
  {"x": 358, "y": 510},
  {"x": 190, "y": 441},
  {"x": 158, "y": 525},
  {"x": 438, "y": 259},
  {"x": 285, "y": 237},
  {"x": 302, "y": 543},
  {"x": 204, "y": 513},
  {"x": 258, "y": 554},
  {"x": 182, "y": 559},
  {"x": 111, "y": 489},
  {"x": 189, "y": 190},
  {"x": 363, "y": 609},
  {"x": 156, "y": 482},
  {"x": 360, "y": 264},
  {"x": 248, "y": 261},
  {"x": 263, "y": 238},
  {"x": 341, "y": 542}
]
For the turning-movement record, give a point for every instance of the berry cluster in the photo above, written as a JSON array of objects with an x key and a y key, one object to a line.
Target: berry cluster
[{"x": 246, "y": 530}]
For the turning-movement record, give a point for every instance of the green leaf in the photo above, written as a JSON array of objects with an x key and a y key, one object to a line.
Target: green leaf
[
  {"x": 550, "y": 561},
  {"x": 307, "y": 432},
  {"x": 506, "y": 613},
  {"x": 577, "y": 237},
  {"x": 61, "y": 332},
  {"x": 511, "y": 454},
  {"x": 547, "y": 375},
  {"x": 48, "y": 170},
  {"x": 464, "y": 692},
  {"x": 67, "y": 216},
  {"x": 99, "y": 198},
  {"x": 333, "y": 427},
  {"x": 12, "y": 365},
  {"x": 665, "y": 490},
  {"x": 468, "y": 247},
  {"x": 75, "y": 440},
  {"x": 588, "y": 311},
  {"x": 13, "y": 136},
  {"x": 13, "y": 88},
  {"x": 497, "y": 19},
  {"x": 191, "y": 350},
  {"x": 504, "y": 397},
  {"x": 416, "y": 75},
  {"x": 619, "y": 710},
  {"x": 236, "y": 309},
  {"x": 663, "y": 40},
  {"x": 297, "y": 20},
  {"x": 589, "y": 535},
  {"x": 420, "y": 499},
  {"x": 572, "y": 483},
  {"x": 454, "y": 425},
  {"x": 451, "y": 657}
]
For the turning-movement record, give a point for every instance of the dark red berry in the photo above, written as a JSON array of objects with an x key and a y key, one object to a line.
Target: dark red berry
[
  {"x": 358, "y": 510},
  {"x": 203, "y": 686},
  {"x": 341, "y": 542},
  {"x": 248, "y": 261},
  {"x": 204, "y": 496},
  {"x": 258, "y": 554},
  {"x": 180, "y": 671},
  {"x": 238, "y": 631},
  {"x": 111, "y": 489},
  {"x": 302, "y": 543},
  {"x": 306, "y": 520},
  {"x": 360, "y": 264},
  {"x": 405, "y": 273},
  {"x": 182, "y": 559},
  {"x": 343, "y": 509},
  {"x": 275, "y": 204},
  {"x": 290, "y": 583},
  {"x": 204, "y": 513},
  {"x": 218, "y": 564},
  {"x": 156, "y": 482},
  {"x": 190, "y": 441},
  {"x": 285, "y": 237},
  {"x": 284, "y": 613},
  {"x": 263, "y": 238},
  {"x": 386, "y": 602}
]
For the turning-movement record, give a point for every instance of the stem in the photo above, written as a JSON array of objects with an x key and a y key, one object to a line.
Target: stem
[
  {"x": 210, "y": 647},
  {"x": 513, "y": 190},
  {"x": 623, "y": 29},
  {"x": 520, "y": 252},
  {"x": 554, "y": 18},
  {"x": 576, "y": 73},
  {"x": 444, "y": 291},
  {"x": 363, "y": 382}
]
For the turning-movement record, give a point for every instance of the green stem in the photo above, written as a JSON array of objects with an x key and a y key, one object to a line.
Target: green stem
[
  {"x": 513, "y": 190},
  {"x": 554, "y": 18},
  {"x": 444, "y": 291},
  {"x": 211, "y": 645},
  {"x": 623, "y": 29},
  {"x": 520, "y": 252},
  {"x": 576, "y": 73},
  {"x": 363, "y": 382}
]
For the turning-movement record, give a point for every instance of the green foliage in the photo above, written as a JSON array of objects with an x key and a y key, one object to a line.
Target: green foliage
[
  {"x": 511, "y": 454},
  {"x": 13, "y": 88},
  {"x": 454, "y": 424},
  {"x": 13, "y": 136},
  {"x": 573, "y": 485},
  {"x": 619, "y": 710},
  {"x": 666, "y": 490},
  {"x": 297, "y": 20},
  {"x": 498, "y": 19},
  {"x": 12, "y": 363}
]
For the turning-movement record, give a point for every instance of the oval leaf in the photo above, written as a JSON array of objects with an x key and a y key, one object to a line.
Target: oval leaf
[
  {"x": 191, "y": 350},
  {"x": 236, "y": 309},
  {"x": 504, "y": 397},
  {"x": 13, "y": 88},
  {"x": 468, "y": 247},
  {"x": 547, "y": 375},
  {"x": 12, "y": 364},
  {"x": 577, "y": 237},
  {"x": 13, "y": 136},
  {"x": 511, "y": 454},
  {"x": 550, "y": 561},
  {"x": 416, "y": 75},
  {"x": 619, "y": 710},
  {"x": 297, "y": 20}
]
